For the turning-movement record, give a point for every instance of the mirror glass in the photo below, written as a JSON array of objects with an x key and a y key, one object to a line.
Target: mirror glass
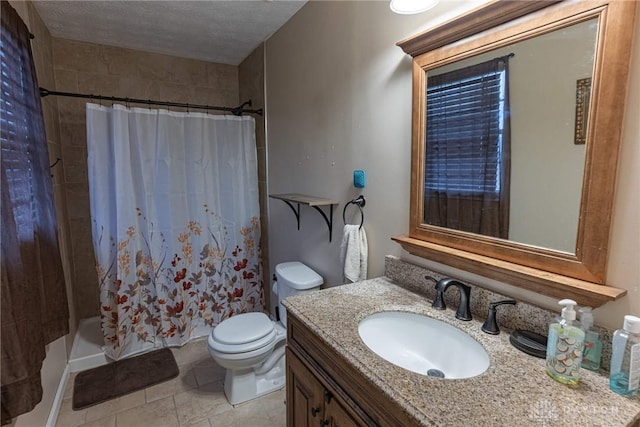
[{"x": 505, "y": 139}]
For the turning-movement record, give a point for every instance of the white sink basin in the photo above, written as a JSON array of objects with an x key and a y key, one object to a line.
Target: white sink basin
[{"x": 423, "y": 345}]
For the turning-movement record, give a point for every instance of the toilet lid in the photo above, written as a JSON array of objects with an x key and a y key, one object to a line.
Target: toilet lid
[
  {"x": 243, "y": 328},
  {"x": 265, "y": 342}
]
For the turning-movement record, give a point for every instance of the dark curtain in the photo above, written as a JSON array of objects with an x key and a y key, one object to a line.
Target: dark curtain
[
  {"x": 468, "y": 149},
  {"x": 34, "y": 302}
]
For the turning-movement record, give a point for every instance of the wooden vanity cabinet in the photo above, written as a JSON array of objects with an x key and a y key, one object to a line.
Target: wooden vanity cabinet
[
  {"x": 325, "y": 390},
  {"x": 309, "y": 403}
]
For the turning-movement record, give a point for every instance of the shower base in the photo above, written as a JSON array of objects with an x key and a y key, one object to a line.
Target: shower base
[{"x": 87, "y": 350}]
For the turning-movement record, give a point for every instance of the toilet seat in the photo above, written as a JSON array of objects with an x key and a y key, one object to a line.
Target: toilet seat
[{"x": 242, "y": 333}]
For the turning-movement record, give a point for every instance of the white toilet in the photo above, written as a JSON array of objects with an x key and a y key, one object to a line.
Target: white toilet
[{"x": 251, "y": 346}]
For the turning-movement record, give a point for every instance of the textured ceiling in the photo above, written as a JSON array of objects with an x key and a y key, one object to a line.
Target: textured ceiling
[{"x": 224, "y": 31}]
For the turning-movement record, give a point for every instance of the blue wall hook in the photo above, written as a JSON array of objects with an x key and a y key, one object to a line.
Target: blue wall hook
[{"x": 359, "y": 178}]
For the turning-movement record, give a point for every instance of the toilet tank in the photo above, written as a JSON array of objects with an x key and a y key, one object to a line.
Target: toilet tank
[{"x": 294, "y": 278}]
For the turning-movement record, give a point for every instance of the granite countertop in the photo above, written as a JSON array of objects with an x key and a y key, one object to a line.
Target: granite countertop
[{"x": 515, "y": 390}]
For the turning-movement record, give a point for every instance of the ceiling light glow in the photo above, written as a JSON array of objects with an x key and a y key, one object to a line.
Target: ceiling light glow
[{"x": 407, "y": 7}]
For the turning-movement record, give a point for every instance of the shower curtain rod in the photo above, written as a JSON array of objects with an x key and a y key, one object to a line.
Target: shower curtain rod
[{"x": 237, "y": 111}]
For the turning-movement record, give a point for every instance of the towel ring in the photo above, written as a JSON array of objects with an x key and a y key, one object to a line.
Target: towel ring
[{"x": 359, "y": 202}]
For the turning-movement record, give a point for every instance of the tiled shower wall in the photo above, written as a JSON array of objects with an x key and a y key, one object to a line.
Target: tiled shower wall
[
  {"x": 112, "y": 71},
  {"x": 251, "y": 77}
]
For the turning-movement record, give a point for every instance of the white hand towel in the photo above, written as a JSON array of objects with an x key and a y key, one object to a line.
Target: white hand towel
[{"x": 353, "y": 253}]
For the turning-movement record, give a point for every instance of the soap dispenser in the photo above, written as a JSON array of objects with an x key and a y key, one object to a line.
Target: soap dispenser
[
  {"x": 564, "y": 348},
  {"x": 625, "y": 358},
  {"x": 592, "y": 342}
]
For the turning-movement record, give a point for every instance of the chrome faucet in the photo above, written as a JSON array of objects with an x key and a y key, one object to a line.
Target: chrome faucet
[{"x": 464, "y": 311}]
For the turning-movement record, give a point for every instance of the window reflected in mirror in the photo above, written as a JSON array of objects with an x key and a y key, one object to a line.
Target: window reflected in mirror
[
  {"x": 500, "y": 157},
  {"x": 467, "y": 158}
]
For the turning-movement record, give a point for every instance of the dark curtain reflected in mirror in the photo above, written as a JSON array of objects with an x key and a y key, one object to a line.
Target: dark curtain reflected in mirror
[{"x": 467, "y": 159}]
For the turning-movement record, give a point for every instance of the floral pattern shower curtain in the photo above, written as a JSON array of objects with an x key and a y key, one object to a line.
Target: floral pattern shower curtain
[{"x": 174, "y": 203}]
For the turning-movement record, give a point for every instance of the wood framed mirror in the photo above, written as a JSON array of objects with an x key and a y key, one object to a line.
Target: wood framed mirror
[{"x": 516, "y": 250}]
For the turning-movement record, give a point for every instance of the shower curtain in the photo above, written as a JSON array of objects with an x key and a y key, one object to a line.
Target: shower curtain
[{"x": 174, "y": 205}]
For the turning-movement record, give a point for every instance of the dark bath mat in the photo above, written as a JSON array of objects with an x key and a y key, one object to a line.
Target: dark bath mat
[{"x": 125, "y": 376}]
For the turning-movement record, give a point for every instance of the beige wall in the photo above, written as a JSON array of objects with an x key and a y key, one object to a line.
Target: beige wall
[
  {"x": 624, "y": 244},
  {"x": 546, "y": 165},
  {"x": 339, "y": 99},
  {"x": 112, "y": 71},
  {"x": 251, "y": 83}
]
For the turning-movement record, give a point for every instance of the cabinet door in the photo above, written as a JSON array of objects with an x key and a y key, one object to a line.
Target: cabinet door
[
  {"x": 305, "y": 394},
  {"x": 337, "y": 416}
]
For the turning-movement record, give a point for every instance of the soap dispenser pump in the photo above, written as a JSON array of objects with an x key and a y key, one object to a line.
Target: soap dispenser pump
[{"x": 564, "y": 348}]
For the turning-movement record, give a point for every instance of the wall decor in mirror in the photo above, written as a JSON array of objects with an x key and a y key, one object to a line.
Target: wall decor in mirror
[
  {"x": 583, "y": 97},
  {"x": 513, "y": 159}
]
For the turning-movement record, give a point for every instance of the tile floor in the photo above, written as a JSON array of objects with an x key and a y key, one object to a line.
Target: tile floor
[{"x": 195, "y": 398}]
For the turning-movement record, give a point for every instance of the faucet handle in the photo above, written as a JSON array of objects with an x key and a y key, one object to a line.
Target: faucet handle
[
  {"x": 438, "y": 302},
  {"x": 490, "y": 325},
  {"x": 435, "y": 281}
]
